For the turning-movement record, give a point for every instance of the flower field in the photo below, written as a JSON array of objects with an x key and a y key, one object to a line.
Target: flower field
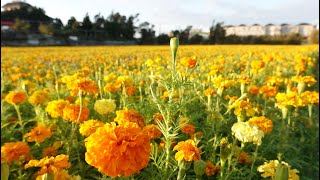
[{"x": 160, "y": 112}]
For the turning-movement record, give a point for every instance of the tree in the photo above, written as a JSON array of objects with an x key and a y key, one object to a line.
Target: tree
[
  {"x": 147, "y": 33},
  {"x": 21, "y": 26},
  {"x": 163, "y": 39},
  {"x": 314, "y": 37},
  {"x": 72, "y": 26},
  {"x": 196, "y": 39},
  {"x": 217, "y": 33},
  {"x": 183, "y": 35},
  {"x": 46, "y": 29}
]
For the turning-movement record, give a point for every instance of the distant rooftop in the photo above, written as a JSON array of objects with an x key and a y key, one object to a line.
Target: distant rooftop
[{"x": 15, "y": 4}]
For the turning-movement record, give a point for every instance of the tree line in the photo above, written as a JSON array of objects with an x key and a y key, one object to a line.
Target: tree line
[{"x": 118, "y": 27}]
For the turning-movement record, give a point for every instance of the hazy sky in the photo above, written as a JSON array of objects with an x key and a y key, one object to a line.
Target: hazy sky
[{"x": 167, "y": 15}]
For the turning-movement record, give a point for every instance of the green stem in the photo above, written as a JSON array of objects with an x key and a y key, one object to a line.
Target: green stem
[
  {"x": 181, "y": 173},
  {"x": 254, "y": 160},
  {"x": 16, "y": 107}
]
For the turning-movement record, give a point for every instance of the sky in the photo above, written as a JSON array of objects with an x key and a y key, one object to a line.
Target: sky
[{"x": 167, "y": 15}]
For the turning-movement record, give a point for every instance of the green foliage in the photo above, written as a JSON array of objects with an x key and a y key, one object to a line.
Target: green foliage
[{"x": 314, "y": 37}]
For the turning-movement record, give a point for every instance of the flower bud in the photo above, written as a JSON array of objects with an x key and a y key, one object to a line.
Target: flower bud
[
  {"x": 199, "y": 167},
  {"x": 4, "y": 171},
  {"x": 174, "y": 44},
  {"x": 282, "y": 172}
]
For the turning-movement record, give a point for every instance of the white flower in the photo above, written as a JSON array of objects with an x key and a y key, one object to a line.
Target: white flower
[{"x": 244, "y": 132}]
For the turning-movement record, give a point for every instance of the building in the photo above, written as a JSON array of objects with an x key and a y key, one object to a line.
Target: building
[
  {"x": 15, "y": 4},
  {"x": 303, "y": 29}
]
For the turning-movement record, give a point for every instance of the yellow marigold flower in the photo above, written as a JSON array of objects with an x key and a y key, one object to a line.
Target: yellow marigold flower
[
  {"x": 211, "y": 169},
  {"x": 166, "y": 94},
  {"x": 49, "y": 151},
  {"x": 16, "y": 97},
  {"x": 71, "y": 113},
  {"x": 39, "y": 133},
  {"x": 264, "y": 124},
  {"x": 50, "y": 165},
  {"x": 274, "y": 81},
  {"x": 112, "y": 88},
  {"x": 90, "y": 126},
  {"x": 130, "y": 90},
  {"x": 120, "y": 150},
  {"x": 39, "y": 97},
  {"x": 310, "y": 97},
  {"x": 104, "y": 106},
  {"x": 85, "y": 85},
  {"x": 130, "y": 115},
  {"x": 244, "y": 132},
  {"x": 152, "y": 131},
  {"x": 309, "y": 80},
  {"x": 188, "y": 129},
  {"x": 187, "y": 150},
  {"x": 55, "y": 108},
  {"x": 257, "y": 64},
  {"x": 128, "y": 81},
  {"x": 289, "y": 99},
  {"x": 189, "y": 62},
  {"x": 254, "y": 90},
  {"x": 242, "y": 107},
  {"x": 209, "y": 92},
  {"x": 244, "y": 80},
  {"x": 64, "y": 175},
  {"x": 268, "y": 169},
  {"x": 110, "y": 78},
  {"x": 12, "y": 151}
]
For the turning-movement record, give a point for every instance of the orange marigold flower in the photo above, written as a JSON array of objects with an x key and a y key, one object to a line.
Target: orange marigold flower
[
  {"x": 152, "y": 131},
  {"x": 189, "y": 62},
  {"x": 12, "y": 151},
  {"x": 211, "y": 169},
  {"x": 39, "y": 97},
  {"x": 85, "y": 85},
  {"x": 243, "y": 158},
  {"x": 90, "y": 126},
  {"x": 38, "y": 134},
  {"x": 254, "y": 90},
  {"x": 49, "y": 151},
  {"x": 55, "y": 108},
  {"x": 69, "y": 99},
  {"x": 120, "y": 150},
  {"x": 16, "y": 97},
  {"x": 50, "y": 165},
  {"x": 130, "y": 115},
  {"x": 157, "y": 117},
  {"x": 268, "y": 91},
  {"x": 188, "y": 129},
  {"x": 264, "y": 124},
  {"x": 310, "y": 97},
  {"x": 71, "y": 113},
  {"x": 209, "y": 92},
  {"x": 187, "y": 150},
  {"x": 130, "y": 90}
]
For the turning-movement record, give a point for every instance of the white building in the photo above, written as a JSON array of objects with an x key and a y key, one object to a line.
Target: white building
[{"x": 304, "y": 29}]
